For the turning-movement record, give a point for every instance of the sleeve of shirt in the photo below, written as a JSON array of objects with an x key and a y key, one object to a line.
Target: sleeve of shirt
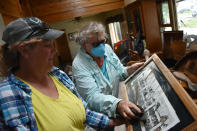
[
  {"x": 3, "y": 127},
  {"x": 92, "y": 94},
  {"x": 121, "y": 69},
  {"x": 96, "y": 119}
]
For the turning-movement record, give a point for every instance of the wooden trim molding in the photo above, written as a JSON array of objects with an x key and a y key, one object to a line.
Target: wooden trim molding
[
  {"x": 82, "y": 11},
  {"x": 56, "y": 10},
  {"x": 10, "y": 8},
  {"x": 67, "y": 5}
]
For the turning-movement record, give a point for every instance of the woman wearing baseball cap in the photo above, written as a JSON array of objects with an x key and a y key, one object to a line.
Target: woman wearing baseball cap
[{"x": 35, "y": 95}]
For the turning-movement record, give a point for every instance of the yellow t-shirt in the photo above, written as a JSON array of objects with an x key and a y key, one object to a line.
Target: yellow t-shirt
[{"x": 66, "y": 113}]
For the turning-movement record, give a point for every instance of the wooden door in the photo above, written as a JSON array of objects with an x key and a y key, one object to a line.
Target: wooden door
[
  {"x": 63, "y": 51},
  {"x": 144, "y": 17},
  {"x": 135, "y": 23}
]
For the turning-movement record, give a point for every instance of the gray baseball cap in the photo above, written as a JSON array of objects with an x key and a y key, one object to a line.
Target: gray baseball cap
[{"x": 26, "y": 28}]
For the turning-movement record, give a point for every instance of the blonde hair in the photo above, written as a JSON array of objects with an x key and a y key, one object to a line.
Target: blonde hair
[
  {"x": 8, "y": 59},
  {"x": 9, "y": 56}
]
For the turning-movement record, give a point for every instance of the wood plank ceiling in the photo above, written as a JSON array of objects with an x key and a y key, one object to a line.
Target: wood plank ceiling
[{"x": 56, "y": 10}]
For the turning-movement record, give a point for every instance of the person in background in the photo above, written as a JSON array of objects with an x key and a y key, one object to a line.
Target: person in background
[
  {"x": 97, "y": 72},
  {"x": 35, "y": 95}
]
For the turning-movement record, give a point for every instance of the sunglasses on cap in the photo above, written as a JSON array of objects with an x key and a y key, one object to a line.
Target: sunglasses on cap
[
  {"x": 39, "y": 31},
  {"x": 97, "y": 43}
]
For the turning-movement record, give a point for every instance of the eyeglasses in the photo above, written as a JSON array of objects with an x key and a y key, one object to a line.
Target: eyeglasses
[{"x": 97, "y": 43}]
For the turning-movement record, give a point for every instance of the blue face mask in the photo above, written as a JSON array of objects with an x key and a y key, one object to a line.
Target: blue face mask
[{"x": 98, "y": 51}]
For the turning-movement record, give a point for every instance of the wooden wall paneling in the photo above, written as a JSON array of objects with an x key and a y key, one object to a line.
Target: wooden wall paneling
[
  {"x": 14, "y": 9},
  {"x": 10, "y": 8},
  {"x": 26, "y": 8},
  {"x": 158, "y": 12},
  {"x": 151, "y": 25},
  {"x": 178, "y": 48},
  {"x": 63, "y": 49},
  {"x": 7, "y": 18},
  {"x": 82, "y": 11},
  {"x": 66, "y": 5},
  {"x": 56, "y": 10},
  {"x": 142, "y": 21},
  {"x": 133, "y": 23},
  {"x": 124, "y": 26},
  {"x": 131, "y": 8},
  {"x": 44, "y": 2},
  {"x": 169, "y": 37}
]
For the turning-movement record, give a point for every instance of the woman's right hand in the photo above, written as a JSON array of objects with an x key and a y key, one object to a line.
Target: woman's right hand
[
  {"x": 124, "y": 109},
  {"x": 116, "y": 122}
]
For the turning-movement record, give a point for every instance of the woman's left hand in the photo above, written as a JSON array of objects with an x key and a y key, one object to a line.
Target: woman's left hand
[{"x": 131, "y": 69}]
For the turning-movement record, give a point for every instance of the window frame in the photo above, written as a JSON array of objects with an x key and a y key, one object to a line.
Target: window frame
[{"x": 172, "y": 14}]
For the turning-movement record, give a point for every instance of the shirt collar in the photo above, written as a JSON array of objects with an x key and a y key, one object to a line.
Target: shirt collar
[{"x": 20, "y": 84}]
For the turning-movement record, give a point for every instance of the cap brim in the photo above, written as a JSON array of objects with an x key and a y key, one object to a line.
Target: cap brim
[{"x": 52, "y": 34}]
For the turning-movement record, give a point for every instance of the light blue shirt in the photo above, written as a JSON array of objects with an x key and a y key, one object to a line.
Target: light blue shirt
[
  {"x": 104, "y": 69},
  {"x": 100, "y": 93}
]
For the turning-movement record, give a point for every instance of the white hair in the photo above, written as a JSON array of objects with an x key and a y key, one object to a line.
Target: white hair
[{"x": 89, "y": 30}]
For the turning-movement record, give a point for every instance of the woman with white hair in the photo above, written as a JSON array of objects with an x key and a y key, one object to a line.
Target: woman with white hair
[{"x": 97, "y": 72}]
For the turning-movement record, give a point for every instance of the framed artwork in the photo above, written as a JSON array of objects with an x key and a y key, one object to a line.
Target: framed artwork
[
  {"x": 167, "y": 106},
  {"x": 72, "y": 36}
]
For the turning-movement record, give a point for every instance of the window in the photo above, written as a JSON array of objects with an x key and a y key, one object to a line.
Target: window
[
  {"x": 179, "y": 15},
  {"x": 115, "y": 23},
  {"x": 187, "y": 19},
  {"x": 115, "y": 32},
  {"x": 165, "y": 13}
]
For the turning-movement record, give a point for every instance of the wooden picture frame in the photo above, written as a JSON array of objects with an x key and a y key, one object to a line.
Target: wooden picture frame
[
  {"x": 72, "y": 36},
  {"x": 166, "y": 104}
]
